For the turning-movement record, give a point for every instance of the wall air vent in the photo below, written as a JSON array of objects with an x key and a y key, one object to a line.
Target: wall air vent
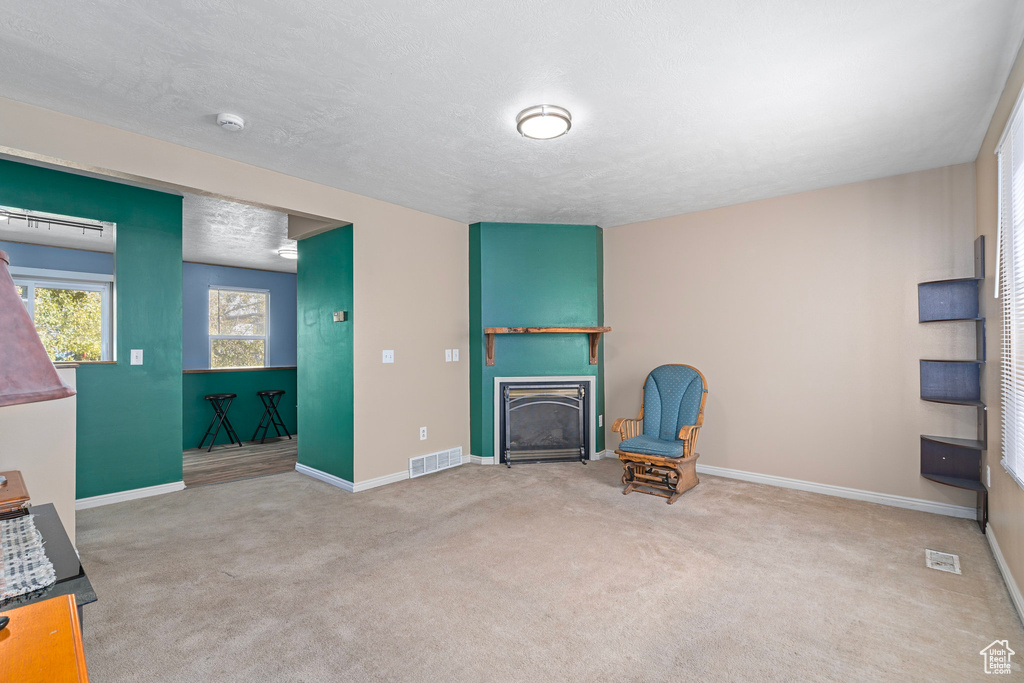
[{"x": 432, "y": 462}]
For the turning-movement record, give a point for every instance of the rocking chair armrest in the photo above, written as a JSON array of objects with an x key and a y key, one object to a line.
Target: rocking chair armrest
[
  {"x": 628, "y": 427},
  {"x": 688, "y": 431}
]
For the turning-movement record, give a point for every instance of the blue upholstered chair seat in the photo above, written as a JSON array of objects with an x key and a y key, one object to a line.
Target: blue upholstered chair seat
[{"x": 648, "y": 445}]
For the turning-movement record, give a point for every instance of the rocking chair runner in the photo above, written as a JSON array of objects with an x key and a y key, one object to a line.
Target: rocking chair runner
[{"x": 658, "y": 448}]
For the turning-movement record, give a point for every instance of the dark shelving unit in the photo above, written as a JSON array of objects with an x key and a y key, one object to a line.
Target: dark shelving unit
[{"x": 949, "y": 460}]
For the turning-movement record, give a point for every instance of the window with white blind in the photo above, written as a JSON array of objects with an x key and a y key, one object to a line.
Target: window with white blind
[{"x": 1010, "y": 290}]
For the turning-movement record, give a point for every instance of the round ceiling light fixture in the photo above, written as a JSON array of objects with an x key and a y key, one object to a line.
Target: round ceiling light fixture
[
  {"x": 232, "y": 122},
  {"x": 543, "y": 122},
  {"x": 289, "y": 252}
]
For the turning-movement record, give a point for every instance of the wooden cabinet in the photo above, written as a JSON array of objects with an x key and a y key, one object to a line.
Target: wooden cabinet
[{"x": 43, "y": 643}]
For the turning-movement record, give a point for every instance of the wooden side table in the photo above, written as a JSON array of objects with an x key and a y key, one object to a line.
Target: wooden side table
[{"x": 43, "y": 643}]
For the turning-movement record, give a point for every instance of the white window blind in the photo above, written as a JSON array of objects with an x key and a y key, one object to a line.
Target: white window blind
[{"x": 1011, "y": 291}]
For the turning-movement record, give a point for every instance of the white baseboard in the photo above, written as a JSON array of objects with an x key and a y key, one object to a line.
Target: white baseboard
[
  {"x": 345, "y": 484},
  {"x": 478, "y": 460},
  {"x": 121, "y": 496},
  {"x": 601, "y": 455},
  {"x": 1004, "y": 569},
  {"x": 842, "y": 492},
  {"x": 379, "y": 481}
]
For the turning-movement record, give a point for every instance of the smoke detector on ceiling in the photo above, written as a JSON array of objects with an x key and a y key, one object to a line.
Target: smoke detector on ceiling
[{"x": 231, "y": 122}]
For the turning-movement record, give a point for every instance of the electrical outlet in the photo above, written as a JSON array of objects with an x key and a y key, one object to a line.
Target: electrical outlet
[
  {"x": 447, "y": 355},
  {"x": 136, "y": 357},
  {"x": 988, "y": 476},
  {"x": 600, "y": 420},
  {"x": 423, "y": 433},
  {"x": 389, "y": 356},
  {"x": 455, "y": 355}
]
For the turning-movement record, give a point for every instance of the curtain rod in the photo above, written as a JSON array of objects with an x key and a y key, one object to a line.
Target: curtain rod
[{"x": 49, "y": 221}]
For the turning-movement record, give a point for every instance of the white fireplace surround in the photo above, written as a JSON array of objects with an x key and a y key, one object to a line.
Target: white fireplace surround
[{"x": 591, "y": 381}]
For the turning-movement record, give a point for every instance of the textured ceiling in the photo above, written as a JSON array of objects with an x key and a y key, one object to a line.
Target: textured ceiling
[
  {"x": 230, "y": 234},
  {"x": 677, "y": 106}
]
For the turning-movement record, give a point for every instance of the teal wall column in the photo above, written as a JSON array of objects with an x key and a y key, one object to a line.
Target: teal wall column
[
  {"x": 324, "y": 379},
  {"x": 129, "y": 416},
  {"x": 532, "y": 275}
]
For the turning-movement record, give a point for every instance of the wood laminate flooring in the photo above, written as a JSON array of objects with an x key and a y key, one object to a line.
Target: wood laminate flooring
[{"x": 230, "y": 463}]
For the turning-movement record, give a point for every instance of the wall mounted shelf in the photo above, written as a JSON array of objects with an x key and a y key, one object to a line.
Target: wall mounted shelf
[
  {"x": 944, "y": 459},
  {"x": 594, "y": 332}
]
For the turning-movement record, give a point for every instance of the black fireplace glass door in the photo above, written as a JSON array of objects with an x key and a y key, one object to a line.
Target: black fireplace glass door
[{"x": 544, "y": 422}]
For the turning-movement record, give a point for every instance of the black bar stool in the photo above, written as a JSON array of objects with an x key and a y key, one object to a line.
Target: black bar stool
[
  {"x": 221, "y": 404},
  {"x": 270, "y": 415}
]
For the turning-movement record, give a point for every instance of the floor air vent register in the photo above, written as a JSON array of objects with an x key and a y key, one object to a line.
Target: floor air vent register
[{"x": 944, "y": 562}]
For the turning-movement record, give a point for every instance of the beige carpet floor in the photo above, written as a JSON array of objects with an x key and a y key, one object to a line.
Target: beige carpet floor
[{"x": 538, "y": 573}]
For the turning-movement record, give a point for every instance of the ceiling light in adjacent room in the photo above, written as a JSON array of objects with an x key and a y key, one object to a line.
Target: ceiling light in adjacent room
[
  {"x": 543, "y": 122},
  {"x": 232, "y": 122},
  {"x": 289, "y": 252}
]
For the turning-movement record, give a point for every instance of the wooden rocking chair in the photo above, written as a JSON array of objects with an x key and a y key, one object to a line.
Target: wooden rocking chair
[{"x": 658, "y": 448}]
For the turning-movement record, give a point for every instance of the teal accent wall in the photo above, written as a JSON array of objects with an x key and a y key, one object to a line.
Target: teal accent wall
[
  {"x": 246, "y": 409},
  {"x": 531, "y": 275},
  {"x": 129, "y": 416},
  {"x": 325, "y": 388}
]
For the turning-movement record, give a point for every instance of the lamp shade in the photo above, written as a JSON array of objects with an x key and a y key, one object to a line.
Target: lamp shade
[{"x": 26, "y": 373}]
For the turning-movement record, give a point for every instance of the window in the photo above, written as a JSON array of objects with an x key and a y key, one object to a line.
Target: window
[
  {"x": 71, "y": 311},
  {"x": 238, "y": 327},
  {"x": 1010, "y": 283}
]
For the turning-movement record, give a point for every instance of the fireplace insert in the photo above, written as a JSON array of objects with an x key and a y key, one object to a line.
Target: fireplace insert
[{"x": 544, "y": 422}]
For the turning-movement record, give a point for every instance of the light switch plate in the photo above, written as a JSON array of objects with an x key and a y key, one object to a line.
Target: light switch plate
[
  {"x": 389, "y": 356},
  {"x": 447, "y": 355},
  {"x": 988, "y": 476},
  {"x": 455, "y": 355},
  {"x": 600, "y": 420},
  {"x": 136, "y": 357}
]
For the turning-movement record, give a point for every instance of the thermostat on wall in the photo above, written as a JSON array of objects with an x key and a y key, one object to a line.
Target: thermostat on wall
[{"x": 339, "y": 316}]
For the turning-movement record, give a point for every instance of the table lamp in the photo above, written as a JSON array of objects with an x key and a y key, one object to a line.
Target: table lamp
[{"x": 26, "y": 373}]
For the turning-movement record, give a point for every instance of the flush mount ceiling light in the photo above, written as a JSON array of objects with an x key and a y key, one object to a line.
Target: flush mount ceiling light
[
  {"x": 232, "y": 122},
  {"x": 543, "y": 122},
  {"x": 289, "y": 252}
]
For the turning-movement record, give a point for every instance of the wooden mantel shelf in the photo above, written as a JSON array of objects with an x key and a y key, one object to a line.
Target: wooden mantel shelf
[{"x": 594, "y": 332}]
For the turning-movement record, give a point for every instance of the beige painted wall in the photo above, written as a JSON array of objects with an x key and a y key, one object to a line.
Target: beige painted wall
[
  {"x": 39, "y": 440},
  {"x": 412, "y": 296},
  {"x": 411, "y": 280},
  {"x": 1006, "y": 499},
  {"x": 802, "y": 313}
]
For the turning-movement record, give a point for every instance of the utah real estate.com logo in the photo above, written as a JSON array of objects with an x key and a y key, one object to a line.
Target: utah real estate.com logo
[{"x": 997, "y": 657}]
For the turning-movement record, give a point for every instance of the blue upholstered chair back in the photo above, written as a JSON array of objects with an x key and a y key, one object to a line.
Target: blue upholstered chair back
[{"x": 672, "y": 398}]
